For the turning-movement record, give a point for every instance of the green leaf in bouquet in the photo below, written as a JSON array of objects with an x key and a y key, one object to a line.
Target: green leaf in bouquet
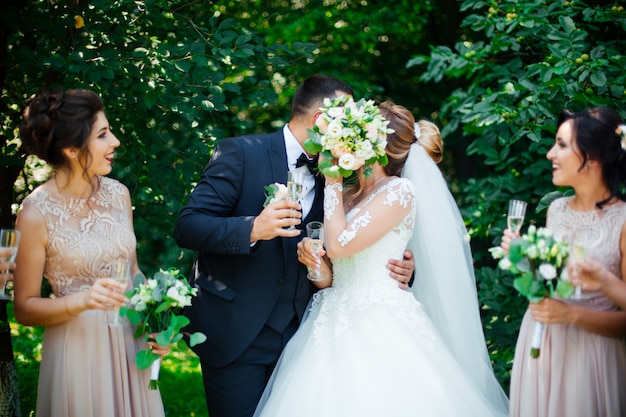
[
  {"x": 517, "y": 250},
  {"x": 176, "y": 338},
  {"x": 144, "y": 358},
  {"x": 523, "y": 284},
  {"x": 179, "y": 321},
  {"x": 538, "y": 291},
  {"x": 138, "y": 280},
  {"x": 134, "y": 316},
  {"x": 196, "y": 338},
  {"x": 164, "y": 338},
  {"x": 564, "y": 289},
  {"x": 162, "y": 307},
  {"x": 524, "y": 265}
]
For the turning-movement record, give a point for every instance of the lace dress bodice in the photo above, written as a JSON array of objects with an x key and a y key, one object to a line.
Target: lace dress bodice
[
  {"x": 362, "y": 279},
  {"x": 599, "y": 231},
  {"x": 365, "y": 272},
  {"x": 84, "y": 235}
]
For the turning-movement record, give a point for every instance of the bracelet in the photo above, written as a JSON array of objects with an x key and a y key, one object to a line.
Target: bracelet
[{"x": 335, "y": 185}]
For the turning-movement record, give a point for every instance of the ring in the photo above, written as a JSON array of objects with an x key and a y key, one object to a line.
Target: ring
[{"x": 281, "y": 222}]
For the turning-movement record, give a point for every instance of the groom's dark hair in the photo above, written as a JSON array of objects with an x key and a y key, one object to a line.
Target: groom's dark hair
[{"x": 314, "y": 90}]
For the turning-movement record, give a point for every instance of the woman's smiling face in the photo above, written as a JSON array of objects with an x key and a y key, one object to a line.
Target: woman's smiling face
[
  {"x": 565, "y": 156},
  {"x": 101, "y": 146}
]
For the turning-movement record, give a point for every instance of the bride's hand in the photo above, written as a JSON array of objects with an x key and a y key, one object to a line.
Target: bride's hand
[{"x": 306, "y": 255}]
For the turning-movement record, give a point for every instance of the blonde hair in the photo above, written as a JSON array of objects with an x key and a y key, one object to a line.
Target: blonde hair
[{"x": 430, "y": 139}]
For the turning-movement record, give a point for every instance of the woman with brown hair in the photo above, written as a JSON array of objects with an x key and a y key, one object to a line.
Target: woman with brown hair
[{"x": 73, "y": 227}]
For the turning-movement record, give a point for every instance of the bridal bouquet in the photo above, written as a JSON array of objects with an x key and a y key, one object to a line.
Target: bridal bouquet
[
  {"x": 155, "y": 308},
  {"x": 539, "y": 260},
  {"x": 354, "y": 133}
]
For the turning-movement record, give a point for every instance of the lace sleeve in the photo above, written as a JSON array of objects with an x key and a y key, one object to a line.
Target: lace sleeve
[{"x": 387, "y": 208}]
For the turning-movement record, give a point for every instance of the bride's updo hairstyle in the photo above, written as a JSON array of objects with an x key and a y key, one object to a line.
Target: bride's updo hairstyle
[
  {"x": 406, "y": 132},
  {"x": 599, "y": 135},
  {"x": 59, "y": 119},
  {"x": 430, "y": 139}
]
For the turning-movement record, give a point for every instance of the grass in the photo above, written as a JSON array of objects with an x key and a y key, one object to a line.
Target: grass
[{"x": 180, "y": 378}]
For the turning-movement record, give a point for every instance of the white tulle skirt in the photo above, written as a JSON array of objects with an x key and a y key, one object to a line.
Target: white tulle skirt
[{"x": 379, "y": 360}]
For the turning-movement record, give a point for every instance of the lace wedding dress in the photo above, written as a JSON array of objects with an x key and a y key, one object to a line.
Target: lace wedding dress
[
  {"x": 368, "y": 349},
  {"x": 578, "y": 373},
  {"x": 88, "y": 368}
]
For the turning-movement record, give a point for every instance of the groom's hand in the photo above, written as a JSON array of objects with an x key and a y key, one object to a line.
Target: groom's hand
[
  {"x": 274, "y": 220},
  {"x": 402, "y": 270}
]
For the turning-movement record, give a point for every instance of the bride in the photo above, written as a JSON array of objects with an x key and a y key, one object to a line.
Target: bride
[{"x": 367, "y": 347}]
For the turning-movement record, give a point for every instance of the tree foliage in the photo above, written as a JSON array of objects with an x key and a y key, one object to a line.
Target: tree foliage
[
  {"x": 174, "y": 77},
  {"x": 520, "y": 64}
]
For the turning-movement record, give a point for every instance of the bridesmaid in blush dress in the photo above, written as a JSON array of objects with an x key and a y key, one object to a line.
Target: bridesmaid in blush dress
[
  {"x": 73, "y": 227},
  {"x": 581, "y": 370}
]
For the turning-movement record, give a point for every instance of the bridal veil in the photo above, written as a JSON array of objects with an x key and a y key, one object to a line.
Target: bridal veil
[{"x": 444, "y": 275}]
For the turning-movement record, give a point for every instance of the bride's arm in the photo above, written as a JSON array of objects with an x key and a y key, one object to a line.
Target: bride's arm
[{"x": 372, "y": 222}]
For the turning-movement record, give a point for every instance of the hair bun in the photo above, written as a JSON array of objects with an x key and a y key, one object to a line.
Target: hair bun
[
  {"x": 37, "y": 128},
  {"x": 430, "y": 139}
]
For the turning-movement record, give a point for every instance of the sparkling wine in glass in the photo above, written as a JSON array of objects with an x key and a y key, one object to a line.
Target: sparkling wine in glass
[
  {"x": 577, "y": 252},
  {"x": 515, "y": 217},
  {"x": 315, "y": 231},
  {"x": 295, "y": 183},
  {"x": 9, "y": 242},
  {"x": 120, "y": 271}
]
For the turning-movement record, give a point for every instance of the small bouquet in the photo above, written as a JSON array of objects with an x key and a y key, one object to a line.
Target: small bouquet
[
  {"x": 353, "y": 133},
  {"x": 539, "y": 259},
  {"x": 155, "y": 307},
  {"x": 275, "y": 192}
]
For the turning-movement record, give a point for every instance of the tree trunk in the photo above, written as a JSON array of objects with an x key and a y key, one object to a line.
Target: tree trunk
[{"x": 9, "y": 394}]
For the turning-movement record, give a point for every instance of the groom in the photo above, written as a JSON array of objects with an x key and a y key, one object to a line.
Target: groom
[{"x": 252, "y": 290}]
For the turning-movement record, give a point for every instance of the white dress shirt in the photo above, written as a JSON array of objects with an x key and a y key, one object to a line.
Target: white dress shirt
[{"x": 294, "y": 149}]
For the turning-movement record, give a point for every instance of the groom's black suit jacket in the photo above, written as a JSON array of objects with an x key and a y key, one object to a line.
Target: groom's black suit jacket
[{"x": 241, "y": 287}]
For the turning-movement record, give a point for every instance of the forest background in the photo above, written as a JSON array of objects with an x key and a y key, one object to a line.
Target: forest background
[{"x": 177, "y": 76}]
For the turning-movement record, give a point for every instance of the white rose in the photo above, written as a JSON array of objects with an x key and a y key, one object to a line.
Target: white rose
[
  {"x": 509, "y": 88},
  {"x": 348, "y": 132},
  {"x": 505, "y": 264},
  {"x": 532, "y": 252},
  {"x": 548, "y": 271},
  {"x": 364, "y": 154},
  {"x": 347, "y": 161},
  {"x": 281, "y": 193},
  {"x": 336, "y": 113},
  {"x": 172, "y": 293},
  {"x": 334, "y": 129}
]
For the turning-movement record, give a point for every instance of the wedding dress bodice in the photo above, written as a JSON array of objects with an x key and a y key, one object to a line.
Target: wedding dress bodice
[
  {"x": 362, "y": 279},
  {"x": 599, "y": 231},
  {"x": 84, "y": 235}
]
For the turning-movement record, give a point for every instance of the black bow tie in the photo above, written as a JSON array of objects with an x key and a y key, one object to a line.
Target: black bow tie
[{"x": 310, "y": 163}]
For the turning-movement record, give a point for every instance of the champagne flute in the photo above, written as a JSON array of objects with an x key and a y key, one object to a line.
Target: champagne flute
[
  {"x": 9, "y": 242},
  {"x": 295, "y": 183},
  {"x": 315, "y": 231},
  {"x": 120, "y": 271},
  {"x": 577, "y": 252},
  {"x": 515, "y": 218}
]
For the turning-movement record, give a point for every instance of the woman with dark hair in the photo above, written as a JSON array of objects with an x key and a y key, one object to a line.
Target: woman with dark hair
[
  {"x": 367, "y": 347},
  {"x": 581, "y": 370},
  {"x": 73, "y": 227}
]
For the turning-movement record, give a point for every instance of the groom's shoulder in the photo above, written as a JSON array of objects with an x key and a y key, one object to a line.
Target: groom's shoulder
[{"x": 255, "y": 139}]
